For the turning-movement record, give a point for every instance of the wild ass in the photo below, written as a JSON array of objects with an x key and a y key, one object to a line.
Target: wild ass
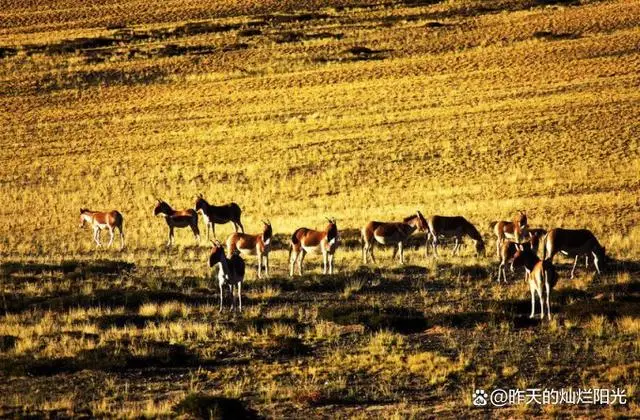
[
  {"x": 230, "y": 272},
  {"x": 306, "y": 240},
  {"x": 542, "y": 278},
  {"x": 514, "y": 230},
  {"x": 508, "y": 251},
  {"x": 178, "y": 219},
  {"x": 573, "y": 242},
  {"x": 391, "y": 233},
  {"x": 453, "y": 227},
  {"x": 99, "y": 220},
  {"x": 259, "y": 245},
  {"x": 218, "y": 214}
]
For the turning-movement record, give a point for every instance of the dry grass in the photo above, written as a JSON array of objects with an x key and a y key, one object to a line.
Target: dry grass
[{"x": 298, "y": 111}]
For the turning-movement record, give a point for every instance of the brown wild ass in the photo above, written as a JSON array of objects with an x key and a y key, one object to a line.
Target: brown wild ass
[
  {"x": 230, "y": 272},
  {"x": 391, "y": 233},
  {"x": 178, "y": 219},
  {"x": 453, "y": 227},
  {"x": 514, "y": 230},
  {"x": 573, "y": 243},
  {"x": 259, "y": 245},
  {"x": 99, "y": 220},
  {"x": 508, "y": 251},
  {"x": 213, "y": 215},
  {"x": 542, "y": 278},
  {"x": 306, "y": 240}
]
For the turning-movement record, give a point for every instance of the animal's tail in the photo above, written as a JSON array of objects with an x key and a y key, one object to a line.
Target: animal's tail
[{"x": 544, "y": 246}]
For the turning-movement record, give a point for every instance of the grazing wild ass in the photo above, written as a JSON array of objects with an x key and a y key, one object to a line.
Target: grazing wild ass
[
  {"x": 508, "y": 251},
  {"x": 177, "y": 219},
  {"x": 453, "y": 227},
  {"x": 213, "y": 215},
  {"x": 230, "y": 272},
  {"x": 542, "y": 278},
  {"x": 99, "y": 220},
  {"x": 514, "y": 230},
  {"x": 259, "y": 245},
  {"x": 306, "y": 240},
  {"x": 391, "y": 233},
  {"x": 573, "y": 243}
]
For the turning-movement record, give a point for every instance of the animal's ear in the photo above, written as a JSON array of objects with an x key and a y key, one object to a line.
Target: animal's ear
[{"x": 212, "y": 243}]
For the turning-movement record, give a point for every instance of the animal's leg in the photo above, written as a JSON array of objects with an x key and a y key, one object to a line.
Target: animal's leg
[
  {"x": 548, "y": 289},
  {"x": 221, "y": 294},
  {"x": 540, "y": 295},
  {"x": 365, "y": 251},
  {"x": 330, "y": 263},
  {"x": 325, "y": 257},
  {"x": 456, "y": 246},
  {"x": 533, "y": 299},
  {"x": 302, "y": 254},
  {"x": 266, "y": 265},
  {"x": 240, "y": 296},
  {"x": 110, "y": 237},
  {"x": 96, "y": 235},
  {"x": 395, "y": 251},
  {"x": 401, "y": 251},
  {"x": 213, "y": 229},
  {"x": 434, "y": 244},
  {"x": 121, "y": 238},
  {"x": 233, "y": 299},
  {"x": 259, "y": 265},
  {"x": 575, "y": 262},
  {"x": 596, "y": 262},
  {"x": 500, "y": 270},
  {"x": 241, "y": 227},
  {"x": 196, "y": 232},
  {"x": 292, "y": 261},
  {"x": 586, "y": 261}
]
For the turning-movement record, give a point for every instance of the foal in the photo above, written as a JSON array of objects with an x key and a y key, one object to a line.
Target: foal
[
  {"x": 542, "y": 278},
  {"x": 306, "y": 240},
  {"x": 230, "y": 272},
  {"x": 110, "y": 220},
  {"x": 259, "y": 245},
  {"x": 178, "y": 218}
]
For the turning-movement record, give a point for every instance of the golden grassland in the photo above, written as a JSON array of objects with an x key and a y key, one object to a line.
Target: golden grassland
[{"x": 298, "y": 111}]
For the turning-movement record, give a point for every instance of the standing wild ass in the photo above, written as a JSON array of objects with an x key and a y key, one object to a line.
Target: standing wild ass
[
  {"x": 177, "y": 219},
  {"x": 306, "y": 240},
  {"x": 99, "y": 220},
  {"x": 514, "y": 230},
  {"x": 573, "y": 242},
  {"x": 453, "y": 227},
  {"x": 391, "y": 233},
  {"x": 508, "y": 251},
  {"x": 542, "y": 278},
  {"x": 218, "y": 214},
  {"x": 259, "y": 245},
  {"x": 230, "y": 272}
]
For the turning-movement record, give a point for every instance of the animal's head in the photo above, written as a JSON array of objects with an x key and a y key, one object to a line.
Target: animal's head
[
  {"x": 161, "y": 209},
  {"x": 267, "y": 232},
  {"x": 520, "y": 220},
  {"x": 523, "y": 253},
  {"x": 200, "y": 202},
  {"x": 217, "y": 253},
  {"x": 422, "y": 222},
  {"x": 480, "y": 249},
  {"x": 83, "y": 218},
  {"x": 332, "y": 230},
  {"x": 601, "y": 253}
]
